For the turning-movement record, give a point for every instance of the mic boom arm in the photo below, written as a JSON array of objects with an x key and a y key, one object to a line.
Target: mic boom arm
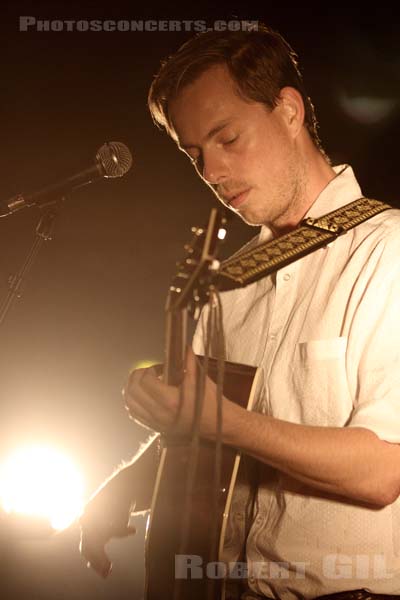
[{"x": 113, "y": 159}]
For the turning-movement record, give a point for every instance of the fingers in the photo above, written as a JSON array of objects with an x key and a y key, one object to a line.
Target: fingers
[
  {"x": 158, "y": 405},
  {"x": 97, "y": 559},
  {"x": 92, "y": 548},
  {"x": 144, "y": 407},
  {"x": 149, "y": 400}
]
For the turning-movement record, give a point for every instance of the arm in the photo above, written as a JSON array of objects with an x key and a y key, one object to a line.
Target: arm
[
  {"x": 354, "y": 462},
  {"x": 351, "y": 461},
  {"x": 107, "y": 513}
]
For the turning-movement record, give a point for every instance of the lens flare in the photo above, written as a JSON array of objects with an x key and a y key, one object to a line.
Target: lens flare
[{"x": 42, "y": 482}]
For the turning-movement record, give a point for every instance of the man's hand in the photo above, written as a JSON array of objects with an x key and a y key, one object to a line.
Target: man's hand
[
  {"x": 94, "y": 538},
  {"x": 107, "y": 513},
  {"x": 157, "y": 405},
  {"x": 106, "y": 516}
]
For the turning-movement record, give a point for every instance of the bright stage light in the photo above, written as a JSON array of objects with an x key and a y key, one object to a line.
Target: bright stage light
[{"x": 40, "y": 481}]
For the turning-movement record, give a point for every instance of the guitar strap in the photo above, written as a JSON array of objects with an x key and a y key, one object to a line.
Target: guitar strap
[{"x": 250, "y": 265}]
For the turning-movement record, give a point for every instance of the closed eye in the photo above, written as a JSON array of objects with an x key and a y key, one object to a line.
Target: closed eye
[{"x": 231, "y": 141}]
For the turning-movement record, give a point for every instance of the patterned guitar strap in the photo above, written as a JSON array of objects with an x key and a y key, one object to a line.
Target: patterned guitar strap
[{"x": 250, "y": 265}]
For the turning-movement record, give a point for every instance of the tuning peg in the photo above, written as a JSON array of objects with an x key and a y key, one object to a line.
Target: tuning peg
[{"x": 215, "y": 265}]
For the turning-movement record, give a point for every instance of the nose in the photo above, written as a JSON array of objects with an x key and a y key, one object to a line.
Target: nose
[{"x": 214, "y": 168}]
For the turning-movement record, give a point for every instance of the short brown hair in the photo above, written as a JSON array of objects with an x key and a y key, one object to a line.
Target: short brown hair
[{"x": 260, "y": 62}]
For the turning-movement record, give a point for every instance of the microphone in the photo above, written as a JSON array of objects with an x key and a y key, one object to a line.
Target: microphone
[{"x": 113, "y": 159}]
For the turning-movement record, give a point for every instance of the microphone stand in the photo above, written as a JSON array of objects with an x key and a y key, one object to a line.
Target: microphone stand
[
  {"x": 15, "y": 526},
  {"x": 44, "y": 230}
]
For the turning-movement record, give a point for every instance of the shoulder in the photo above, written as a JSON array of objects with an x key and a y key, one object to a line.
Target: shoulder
[
  {"x": 388, "y": 221},
  {"x": 380, "y": 234}
]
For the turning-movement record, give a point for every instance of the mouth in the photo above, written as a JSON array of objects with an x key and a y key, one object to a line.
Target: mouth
[{"x": 235, "y": 200}]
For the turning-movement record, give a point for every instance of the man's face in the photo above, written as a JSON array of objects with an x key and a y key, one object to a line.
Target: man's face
[{"x": 243, "y": 151}]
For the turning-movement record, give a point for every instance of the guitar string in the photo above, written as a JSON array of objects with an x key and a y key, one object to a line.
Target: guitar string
[{"x": 219, "y": 342}]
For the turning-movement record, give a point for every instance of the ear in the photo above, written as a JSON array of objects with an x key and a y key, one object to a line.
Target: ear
[{"x": 292, "y": 109}]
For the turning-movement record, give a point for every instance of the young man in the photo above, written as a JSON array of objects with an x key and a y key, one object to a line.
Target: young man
[{"x": 326, "y": 426}]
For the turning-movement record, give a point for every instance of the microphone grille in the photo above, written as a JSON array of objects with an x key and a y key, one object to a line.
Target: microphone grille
[{"x": 115, "y": 159}]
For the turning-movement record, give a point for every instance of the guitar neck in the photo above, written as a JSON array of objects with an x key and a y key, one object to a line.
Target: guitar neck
[{"x": 175, "y": 345}]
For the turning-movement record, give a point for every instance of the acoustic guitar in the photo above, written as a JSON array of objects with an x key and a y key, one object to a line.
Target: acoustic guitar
[{"x": 184, "y": 535}]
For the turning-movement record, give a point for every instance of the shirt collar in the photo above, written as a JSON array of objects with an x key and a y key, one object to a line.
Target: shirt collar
[{"x": 341, "y": 190}]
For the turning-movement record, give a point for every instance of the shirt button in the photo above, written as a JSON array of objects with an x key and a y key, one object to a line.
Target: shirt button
[
  {"x": 252, "y": 580},
  {"x": 259, "y": 520},
  {"x": 286, "y": 277}
]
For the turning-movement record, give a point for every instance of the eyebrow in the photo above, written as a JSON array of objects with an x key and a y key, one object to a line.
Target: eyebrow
[{"x": 209, "y": 135}]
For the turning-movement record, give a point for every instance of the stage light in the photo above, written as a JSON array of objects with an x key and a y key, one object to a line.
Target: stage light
[
  {"x": 41, "y": 482},
  {"x": 368, "y": 110}
]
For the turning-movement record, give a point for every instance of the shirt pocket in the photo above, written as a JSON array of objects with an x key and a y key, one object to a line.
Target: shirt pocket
[{"x": 320, "y": 382}]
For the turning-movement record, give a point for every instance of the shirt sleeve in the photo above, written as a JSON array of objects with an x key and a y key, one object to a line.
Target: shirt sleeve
[{"x": 374, "y": 345}]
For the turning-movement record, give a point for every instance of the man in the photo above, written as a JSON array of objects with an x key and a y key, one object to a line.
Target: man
[{"x": 323, "y": 329}]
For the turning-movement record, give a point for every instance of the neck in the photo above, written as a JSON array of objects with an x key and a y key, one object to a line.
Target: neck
[{"x": 316, "y": 175}]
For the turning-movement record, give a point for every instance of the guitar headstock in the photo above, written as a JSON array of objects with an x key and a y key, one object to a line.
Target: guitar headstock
[{"x": 196, "y": 272}]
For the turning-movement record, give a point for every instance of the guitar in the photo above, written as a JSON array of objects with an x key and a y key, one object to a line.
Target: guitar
[{"x": 181, "y": 552}]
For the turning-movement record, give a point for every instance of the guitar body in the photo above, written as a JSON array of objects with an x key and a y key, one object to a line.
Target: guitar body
[{"x": 169, "y": 507}]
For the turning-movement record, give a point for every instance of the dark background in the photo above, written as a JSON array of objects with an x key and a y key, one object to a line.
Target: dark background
[{"x": 92, "y": 306}]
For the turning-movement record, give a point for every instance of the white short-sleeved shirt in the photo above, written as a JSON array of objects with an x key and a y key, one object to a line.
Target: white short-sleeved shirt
[{"x": 326, "y": 332}]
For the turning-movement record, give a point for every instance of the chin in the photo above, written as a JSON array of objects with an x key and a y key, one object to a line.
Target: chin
[{"x": 253, "y": 220}]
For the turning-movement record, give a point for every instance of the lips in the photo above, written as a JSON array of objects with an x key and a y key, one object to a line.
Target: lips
[{"x": 235, "y": 200}]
